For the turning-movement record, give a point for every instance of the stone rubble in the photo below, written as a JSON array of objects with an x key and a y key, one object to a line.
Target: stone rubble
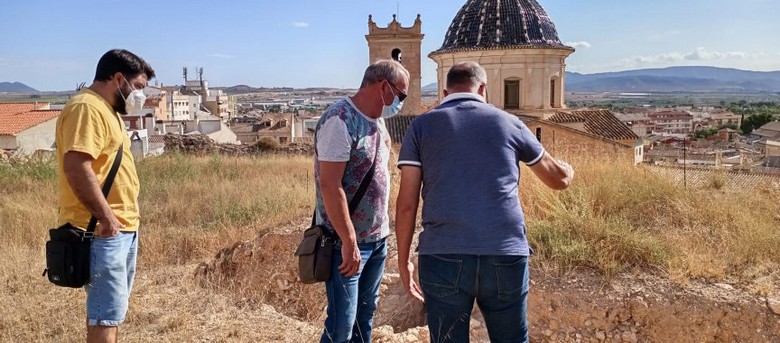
[{"x": 202, "y": 145}]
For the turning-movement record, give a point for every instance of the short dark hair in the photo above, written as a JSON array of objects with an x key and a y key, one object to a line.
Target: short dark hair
[
  {"x": 466, "y": 74},
  {"x": 122, "y": 61}
]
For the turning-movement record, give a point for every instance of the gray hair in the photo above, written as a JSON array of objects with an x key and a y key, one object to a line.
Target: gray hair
[
  {"x": 384, "y": 70},
  {"x": 468, "y": 74}
]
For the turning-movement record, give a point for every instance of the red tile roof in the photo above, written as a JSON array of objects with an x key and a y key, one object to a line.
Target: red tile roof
[
  {"x": 597, "y": 122},
  {"x": 16, "y": 108},
  {"x": 397, "y": 126},
  {"x": 13, "y": 123}
]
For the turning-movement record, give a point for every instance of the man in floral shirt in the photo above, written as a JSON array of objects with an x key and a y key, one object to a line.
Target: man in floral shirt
[{"x": 351, "y": 137}]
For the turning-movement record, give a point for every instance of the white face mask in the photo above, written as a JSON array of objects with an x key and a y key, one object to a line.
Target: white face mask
[
  {"x": 393, "y": 109},
  {"x": 135, "y": 100}
]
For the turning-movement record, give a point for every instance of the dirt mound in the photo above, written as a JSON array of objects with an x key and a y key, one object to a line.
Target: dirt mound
[
  {"x": 578, "y": 308},
  {"x": 264, "y": 271}
]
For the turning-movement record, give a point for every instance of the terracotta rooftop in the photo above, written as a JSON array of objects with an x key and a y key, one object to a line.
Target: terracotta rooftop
[
  {"x": 597, "y": 122},
  {"x": 16, "y": 108},
  {"x": 770, "y": 128},
  {"x": 397, "y": 126},
  {"x": 13, "y": 123}
]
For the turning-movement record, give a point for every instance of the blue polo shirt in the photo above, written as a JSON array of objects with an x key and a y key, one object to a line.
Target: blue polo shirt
[{"x": 470, "y": 152}]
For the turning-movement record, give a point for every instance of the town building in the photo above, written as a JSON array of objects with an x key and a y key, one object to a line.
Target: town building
[
  {"x": 27, "y": 127},
  {"x": 671, "y": 122}
]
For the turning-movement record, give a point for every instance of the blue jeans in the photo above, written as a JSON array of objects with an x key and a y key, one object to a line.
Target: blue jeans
[
  {"x": 499, "y": 284},
  {"x": 112, "y": 270},
  {"x": 352, "y": 300}
]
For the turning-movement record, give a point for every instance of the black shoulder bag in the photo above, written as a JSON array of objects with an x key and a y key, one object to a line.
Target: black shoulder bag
[
  {"x": 68, "y": 249},
  {"x": 315, "y": 252}
]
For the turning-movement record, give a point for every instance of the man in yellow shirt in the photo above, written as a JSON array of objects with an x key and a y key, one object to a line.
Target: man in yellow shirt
[{"x": 89, "y": 134}]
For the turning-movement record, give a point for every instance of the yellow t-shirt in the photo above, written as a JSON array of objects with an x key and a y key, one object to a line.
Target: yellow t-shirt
[{"x": 89, "y": 125}]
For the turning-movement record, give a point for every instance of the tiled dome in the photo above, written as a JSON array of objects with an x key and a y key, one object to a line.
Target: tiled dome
[{"x": 501, "y": 24}]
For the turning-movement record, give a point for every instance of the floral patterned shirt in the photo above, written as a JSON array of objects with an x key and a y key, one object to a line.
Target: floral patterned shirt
[{"x": 344, "y": 134}]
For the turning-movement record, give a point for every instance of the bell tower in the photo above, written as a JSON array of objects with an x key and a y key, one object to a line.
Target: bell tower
[{"x": 402, "y": 44}]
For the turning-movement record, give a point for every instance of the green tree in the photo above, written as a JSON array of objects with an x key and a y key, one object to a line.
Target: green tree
[
  {"x": 704, "y": 133},
  {"x": 756, "y": 121}
]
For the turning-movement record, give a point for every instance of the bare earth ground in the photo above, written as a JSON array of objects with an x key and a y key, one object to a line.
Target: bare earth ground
[{"x": 249, "y": 293}]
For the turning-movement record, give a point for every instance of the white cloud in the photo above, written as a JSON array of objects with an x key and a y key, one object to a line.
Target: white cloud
[
  {"x": 578, "y": 45},
  {"x": 221, "y": 55},
  {"x": 300, "y": 24},
  {"x": 700, "y": 54}
]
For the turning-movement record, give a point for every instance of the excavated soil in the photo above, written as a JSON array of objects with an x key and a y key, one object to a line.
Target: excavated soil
[{"x": 581, "y": 307}]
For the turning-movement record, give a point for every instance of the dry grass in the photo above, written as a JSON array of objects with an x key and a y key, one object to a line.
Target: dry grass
[{"x": 613, "y": 219}]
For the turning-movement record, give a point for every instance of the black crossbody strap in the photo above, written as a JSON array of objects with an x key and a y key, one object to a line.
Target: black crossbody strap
[
  {"x": 107, "y": 185},
  {"x": 361, "y": 191}
]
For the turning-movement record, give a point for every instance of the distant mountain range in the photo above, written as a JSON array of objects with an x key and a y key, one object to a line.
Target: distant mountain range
[
  {"x": 676, "y": 79},
  {"x": 16, "y": 87},
  {"x": 665, "y": 80},
  {"x": 669, "y": 80}
]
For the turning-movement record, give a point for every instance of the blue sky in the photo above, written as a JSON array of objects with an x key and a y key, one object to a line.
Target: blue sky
[{"x": 55, "y": 44}]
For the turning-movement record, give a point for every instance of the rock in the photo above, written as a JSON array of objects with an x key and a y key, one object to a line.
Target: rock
[
  {"x": 773, "y": 306},
  {"x": 724, "y": 286},
  {"x": 629, "y": 337},
  {"x": 548, "y": 332},
  {"x": 601, "y": 336}
]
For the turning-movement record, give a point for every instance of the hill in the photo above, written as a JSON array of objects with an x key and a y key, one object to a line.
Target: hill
[
  {"x": 16, "y": 87},
  {"x": 676, "y": 79}
]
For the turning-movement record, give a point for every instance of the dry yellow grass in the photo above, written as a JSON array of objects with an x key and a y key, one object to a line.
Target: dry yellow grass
[
  {"x": 619, "y": 217},
  {"x": 614, "y": 218}
]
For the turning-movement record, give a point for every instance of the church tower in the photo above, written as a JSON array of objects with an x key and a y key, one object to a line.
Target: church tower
[{"x": 402, "y": 44}]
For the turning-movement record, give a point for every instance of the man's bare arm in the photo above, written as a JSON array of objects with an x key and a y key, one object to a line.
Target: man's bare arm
[
  {"x": 77, "y": 167},
  {"x": 556, "y": 175},
  {"x": 405, "y": 219},
  {"x": 337, "y": 208}
]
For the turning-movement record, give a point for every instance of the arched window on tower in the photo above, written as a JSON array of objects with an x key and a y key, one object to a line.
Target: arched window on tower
[
  {"x": 539, "y": 134},
  {"x": 512, "y": 94},
  {"x": 396, "y": 54},
  {"x": 555, "y": 95}
]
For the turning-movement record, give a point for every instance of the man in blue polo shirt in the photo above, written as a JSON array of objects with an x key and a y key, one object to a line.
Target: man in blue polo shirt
[{"x": 465, "y": 156}]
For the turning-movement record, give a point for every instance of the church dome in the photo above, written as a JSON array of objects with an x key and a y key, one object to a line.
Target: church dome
[{"x": 501, "y": 24}]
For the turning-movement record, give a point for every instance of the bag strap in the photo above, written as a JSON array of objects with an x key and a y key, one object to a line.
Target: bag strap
[
  {"x": 361, "y": 191},
  {"x": 107, "y": 185}
]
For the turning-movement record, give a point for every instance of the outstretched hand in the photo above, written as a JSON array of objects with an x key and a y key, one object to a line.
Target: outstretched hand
[{"x": 412, "y": 289}]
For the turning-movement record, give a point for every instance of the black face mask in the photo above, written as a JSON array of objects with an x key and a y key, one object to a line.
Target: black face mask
[{"x": 119, "y": 102}]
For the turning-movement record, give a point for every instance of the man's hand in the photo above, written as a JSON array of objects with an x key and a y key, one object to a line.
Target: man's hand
[
  {"x": 108, "y": 227},
  {"x": 350, "y": 259},
  {"x": 407, "y": 270}
]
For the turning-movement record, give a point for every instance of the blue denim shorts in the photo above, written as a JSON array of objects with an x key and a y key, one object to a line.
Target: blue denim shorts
[{"x": 112, "y": 270}]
